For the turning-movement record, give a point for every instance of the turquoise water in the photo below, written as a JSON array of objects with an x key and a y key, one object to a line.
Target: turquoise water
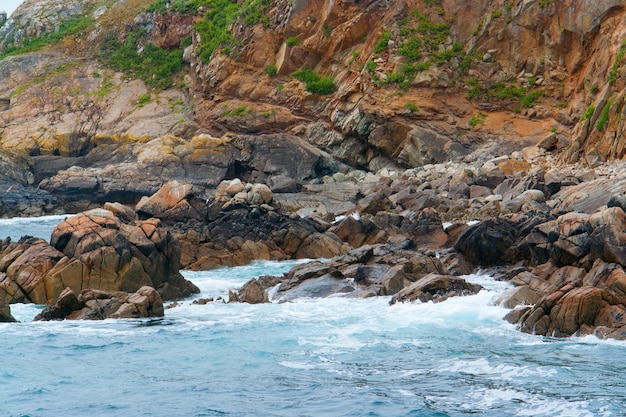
[{"x": 330, "y": 357}]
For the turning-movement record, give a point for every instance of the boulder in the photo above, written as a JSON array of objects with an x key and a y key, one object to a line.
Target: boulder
[
  {"x": 99, "y": 305},
  {"x": 102, "y": 252},
  {"x": 594, "y": 305},
  {"x": 255, "y": 290},
  {"x": 488, "y": 242},
  {"x": 435, "y": 288}
]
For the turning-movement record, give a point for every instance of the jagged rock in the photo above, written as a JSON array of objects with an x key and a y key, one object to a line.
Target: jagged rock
[
  {"x": 99, "y": 305},
  {"x": 435, "y": 288},
  {"x": 358, "y": 232},
  {"x": 382, "y": 269},
  {"x": 26, "y": 265}
]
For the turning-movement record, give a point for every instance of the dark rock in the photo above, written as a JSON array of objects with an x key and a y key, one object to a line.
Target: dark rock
[
  {"x": 5, "y": 314},
  {"x": 436, "y": 288},
  {"x": 488, "y": 242},
  {"x": 618, "y": 200}
]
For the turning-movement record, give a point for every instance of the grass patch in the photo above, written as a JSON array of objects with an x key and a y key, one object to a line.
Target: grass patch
[
  {"x": 589, "y": 112},
  {"x": 271, "y": 70},
  {"x": 477, "y": 119},
  {"x": 383, "y": 41},
  {"x": 144, "y": 99},
  {"x": 604, "y": 116},
  {"x": 618, "y": 59},
  {"x": 315, "y": 84},
  {"x": 155, "y": 66},
  {"x": 69, "y": 27},
  {"x": 239, "y": 111},
  {"x": 292, "y": 41}
]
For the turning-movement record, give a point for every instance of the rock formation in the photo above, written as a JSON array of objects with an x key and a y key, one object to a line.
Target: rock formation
[
  {"x": 93, "y": 250},
  {"x": 99, "y": 305}
]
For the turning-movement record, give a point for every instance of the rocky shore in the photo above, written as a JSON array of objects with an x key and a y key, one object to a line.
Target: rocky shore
[{"x": 381, "y": 234}]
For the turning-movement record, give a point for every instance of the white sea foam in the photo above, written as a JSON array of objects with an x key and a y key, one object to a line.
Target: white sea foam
[{"x": 458, "y": 355}]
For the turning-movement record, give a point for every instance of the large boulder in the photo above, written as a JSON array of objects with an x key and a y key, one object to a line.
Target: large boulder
[
  {"x": 93, "y": 250},
  {"x": 488, "y": 242},
  {"x": 102, "y": 252}
]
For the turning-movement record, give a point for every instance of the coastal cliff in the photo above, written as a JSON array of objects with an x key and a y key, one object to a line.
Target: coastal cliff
[{"x": 398, "y": 84}]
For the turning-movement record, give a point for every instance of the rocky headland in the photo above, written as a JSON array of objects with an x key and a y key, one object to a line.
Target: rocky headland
[{"x": 406, "y": 143}]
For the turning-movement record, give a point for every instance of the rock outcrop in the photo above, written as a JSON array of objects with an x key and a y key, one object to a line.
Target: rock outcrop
[
  {"x": 240, "y": 223},
  {"x": 435, "y": 288},
  {"x": 93, "y": 250},
  {"x": 99, "y": 305}
]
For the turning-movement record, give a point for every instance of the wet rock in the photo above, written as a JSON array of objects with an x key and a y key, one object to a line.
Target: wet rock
[
  {"x": 101, "y": 305},
  {"x": 435, "y": 288},
  {"x": 255, "y": 290},
  {"x": 382, "y": 269},
  {"x": 5, "y": 314}
]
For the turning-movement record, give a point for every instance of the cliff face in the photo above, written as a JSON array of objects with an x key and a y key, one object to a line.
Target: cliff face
[{"x": 390, "y": 83}]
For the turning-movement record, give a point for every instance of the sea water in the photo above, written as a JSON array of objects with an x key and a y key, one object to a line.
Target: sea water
[{"x": 322, "y": 357}]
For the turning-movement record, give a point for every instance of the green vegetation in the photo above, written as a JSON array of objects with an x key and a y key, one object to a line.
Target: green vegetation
[
  {"x": 180, "y": 6},
  {"x": 617, "y": 62},
  {"x": 105, "y": 88},
  {"x": 604, "y": 116},
  {"x": 271, "y": 70},
  {"x": 144, "y": 99},
  {"x": 371, "y": 66},
  {"x": 589, "y": 112},
  {"x": 154, "y": 65},
  {"x": 495, "y": 14},
  {"x": 292, "y": 41},
  {"x": 381, "y": 45},
  {"x": 69, "y": 27},
  {"x": 477, "y": 119},
  {"x": 411, "y": 107},
  {"x": 237, "y": 112},
  {"x": 503, "y": 91},
  {"x": 314, "y": 83},
  {"x": 545, "y": 3},
  {"x": 531, "y": 98},
  {"x": 214, "y": 27}
]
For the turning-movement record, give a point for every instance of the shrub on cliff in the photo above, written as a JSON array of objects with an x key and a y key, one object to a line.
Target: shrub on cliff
[
  {"x": 314, "y": 83},
  {"x": 154, "y": 65}
]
